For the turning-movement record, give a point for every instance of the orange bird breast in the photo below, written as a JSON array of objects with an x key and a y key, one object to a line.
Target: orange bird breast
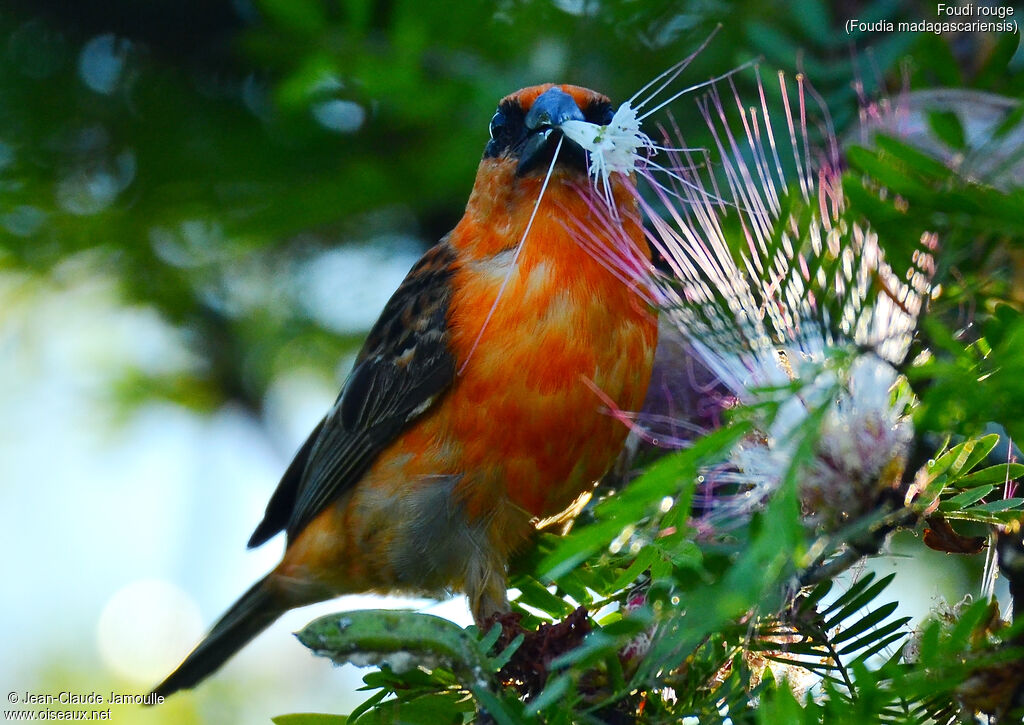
[{"x": 529, "y": 421}]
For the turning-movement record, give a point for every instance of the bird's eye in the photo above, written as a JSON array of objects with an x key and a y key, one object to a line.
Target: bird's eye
[
  {"x": 497, "y": 123},
  {"x": 600, "y": 113},
  {"x": 506, "y": 130}
]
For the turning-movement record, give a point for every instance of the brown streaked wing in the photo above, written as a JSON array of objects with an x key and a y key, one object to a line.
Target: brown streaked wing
[{"x": 404, "y": 366}]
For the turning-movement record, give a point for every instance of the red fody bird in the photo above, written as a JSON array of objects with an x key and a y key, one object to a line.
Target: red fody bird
[{"x": 470, "y": 414}]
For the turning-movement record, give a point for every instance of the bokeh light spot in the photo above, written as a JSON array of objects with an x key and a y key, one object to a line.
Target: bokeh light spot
[
  {"x": 101, "y": 63},
  {"x": 338, "y": 115},
  {"x": 146, "y": 628}
]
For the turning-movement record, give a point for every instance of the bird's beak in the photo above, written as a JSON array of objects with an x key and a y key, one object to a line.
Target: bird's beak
[{"x": 551, "y": 109}]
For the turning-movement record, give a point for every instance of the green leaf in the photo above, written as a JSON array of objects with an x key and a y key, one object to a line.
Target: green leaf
[
  {"x": 309, "y": 718},
  {"x": 401, "y": 640},
  {"x": 553, "y": 691},
  {"x": 816, "y": 595},
  {"x": 852, "y": 604},
  {"x": 1012, "y": 120},
  {"x": 430, "y": 709},
  {"x": 924, "y": 164},
  {"x": 996, "y": 66},
  {"x": 640, "y": 564},
  {"x": 995, "y": 507},
  {"x": 499, "y": 709},
  {"x": 595, "y": 647},
  {"x": 855, "y": 589},
  {"x": 781, "y": 706},
  {"x": 1000, "y": 518},
  {"x": 976, "y": 450},
  {"x": 812, "y": 16},
  {"x": 998, "y": 473},
  {"x": 303, "y": 16},
  {"x": 965, "y": 499},
  {"x": 948, "y": 128},
  {"x": 865, "y": 622},
  {"x": 369, "y": 703},
  {"x": 875, "y": 635},
  {"x": 488, "y": 640},
  {"x": 503, "y": 657},
  {"x": 535, "y": 594},
  {"x": 886, "y": 171},
  {"x": 673, "y": 476},
  {"x": 577, "y": 547}
]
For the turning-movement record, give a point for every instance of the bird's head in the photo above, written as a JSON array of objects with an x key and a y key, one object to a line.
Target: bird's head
[
  {"x": 521, "y": 186},
  {"x": 526, "y": 128}
]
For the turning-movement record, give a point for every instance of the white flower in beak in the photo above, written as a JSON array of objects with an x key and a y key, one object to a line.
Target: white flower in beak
[{"x": 619, "y": 146}]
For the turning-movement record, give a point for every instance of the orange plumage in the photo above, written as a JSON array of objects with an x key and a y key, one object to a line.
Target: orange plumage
[{"x": 467, "y": 417}]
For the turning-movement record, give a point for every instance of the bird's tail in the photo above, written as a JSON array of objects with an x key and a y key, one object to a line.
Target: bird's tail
[{"x": 251, "y": 614}]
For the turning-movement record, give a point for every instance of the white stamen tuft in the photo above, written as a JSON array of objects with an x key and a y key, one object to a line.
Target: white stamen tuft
[
  {"x": 791, "y": 305},
  {"x": 618, "y": 147},
  {"x": 779, "y": 294},
  {"x": 615, "y": 147}
]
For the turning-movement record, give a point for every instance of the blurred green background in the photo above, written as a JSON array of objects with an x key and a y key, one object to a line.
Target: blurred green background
[{"x": 203, "y": 207}]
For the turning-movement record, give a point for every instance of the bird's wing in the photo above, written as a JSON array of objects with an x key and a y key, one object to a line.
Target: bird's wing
[{"x": 404, "y": 366}]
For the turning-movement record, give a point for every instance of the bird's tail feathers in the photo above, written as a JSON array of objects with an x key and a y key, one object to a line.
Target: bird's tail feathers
[{"x": 254, "y": 611}]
